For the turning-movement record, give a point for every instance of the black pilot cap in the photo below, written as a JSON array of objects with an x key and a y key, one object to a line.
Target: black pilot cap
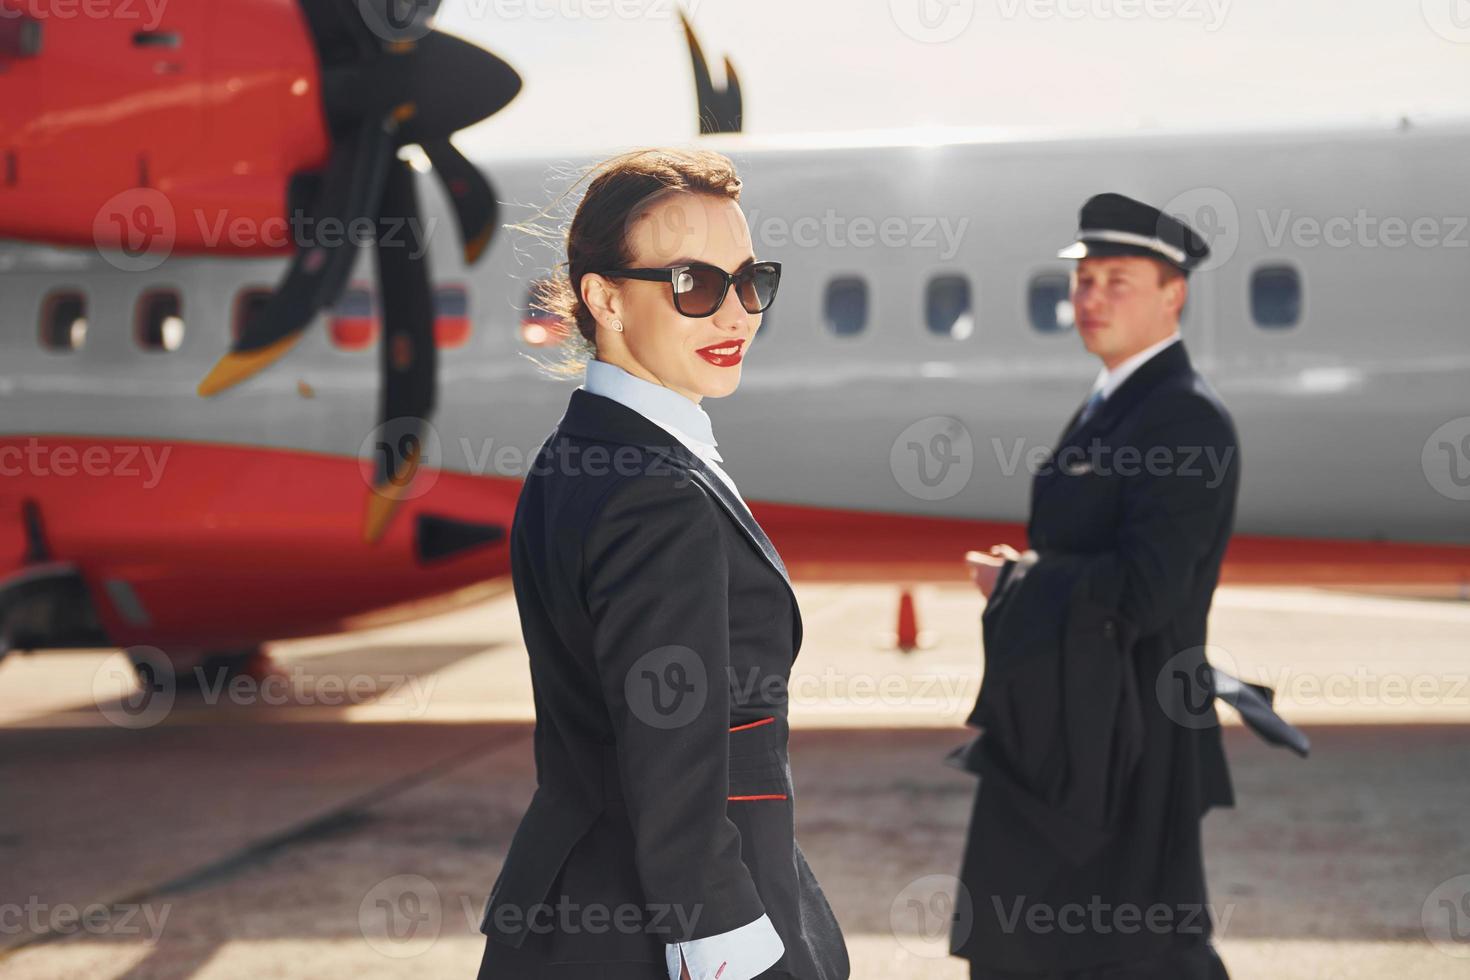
[{"x": 1111, "y": 224}]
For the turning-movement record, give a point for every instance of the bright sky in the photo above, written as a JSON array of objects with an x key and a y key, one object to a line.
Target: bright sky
[{"x": 611, "y": 73}]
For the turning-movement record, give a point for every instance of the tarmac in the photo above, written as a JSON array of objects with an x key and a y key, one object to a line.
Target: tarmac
[{"x": 347, "y": 817}]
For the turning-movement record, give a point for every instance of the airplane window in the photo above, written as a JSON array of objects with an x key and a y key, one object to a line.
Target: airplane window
[
  {"x": 847, "y": 306},
  {"x": 248, "y": 302},
  {"x": 451, "y": 316},
  {"x": 1276, "y": 296},
  {"x": 451, "y": 301},
  {"x": 354, "y": 322},
  {"x": 160, "y": 320},
  {"x": 1050, "y": 302},
  {"x": 64, "y": 321},
  {"x": 947, "y": 307}
]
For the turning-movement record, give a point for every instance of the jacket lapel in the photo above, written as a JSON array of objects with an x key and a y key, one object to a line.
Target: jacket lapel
[
  {"x": 596, "y": 417},
  {"x": 721, "y": 492},
  {"x": 1166, "y": 363}
]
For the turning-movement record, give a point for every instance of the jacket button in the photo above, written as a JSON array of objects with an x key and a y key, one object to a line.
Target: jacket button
[{"x": 1109, "y": 629}]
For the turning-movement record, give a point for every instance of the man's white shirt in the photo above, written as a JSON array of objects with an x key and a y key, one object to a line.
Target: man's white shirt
[{"x": 1108, "y": 380}]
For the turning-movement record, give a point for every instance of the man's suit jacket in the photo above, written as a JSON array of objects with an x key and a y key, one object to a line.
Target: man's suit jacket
[
  {"x": 661, "y": 628},
  {"x": 1100, "y": 748}
]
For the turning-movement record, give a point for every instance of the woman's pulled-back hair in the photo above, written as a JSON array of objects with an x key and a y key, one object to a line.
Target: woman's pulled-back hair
[{"x": 620, "y": 190}]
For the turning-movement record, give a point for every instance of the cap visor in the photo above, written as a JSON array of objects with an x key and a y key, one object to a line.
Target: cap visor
[{"x": 1093, "y": 249}]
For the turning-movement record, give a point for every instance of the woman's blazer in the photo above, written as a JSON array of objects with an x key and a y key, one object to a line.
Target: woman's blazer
[{"x": 661, "y": 628}]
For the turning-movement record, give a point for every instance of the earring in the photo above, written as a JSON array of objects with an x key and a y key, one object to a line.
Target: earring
[{"x": 618, "y": 325}]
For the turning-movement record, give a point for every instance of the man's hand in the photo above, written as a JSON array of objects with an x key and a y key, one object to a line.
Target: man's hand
[{"x": 985, "y": 567}]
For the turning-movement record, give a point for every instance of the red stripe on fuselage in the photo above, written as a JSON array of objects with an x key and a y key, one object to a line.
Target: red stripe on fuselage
[{"x": 227, "y": 546}]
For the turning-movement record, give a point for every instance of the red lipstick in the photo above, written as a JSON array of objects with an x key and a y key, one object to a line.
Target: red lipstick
[{"x": 726, "y": 353}]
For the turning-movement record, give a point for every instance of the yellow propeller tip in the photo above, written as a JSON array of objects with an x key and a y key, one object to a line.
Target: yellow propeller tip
[
  {"x": 474, "y": 248},
  {"x": 226, "y": 373},
  {"x": 383, "y": 499},
  {"x": 380, "y": 509},
  {"x": 235, "y": 367}
]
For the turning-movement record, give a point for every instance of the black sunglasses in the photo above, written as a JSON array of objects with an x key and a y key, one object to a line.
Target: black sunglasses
[{"x": 699, "y": 289}]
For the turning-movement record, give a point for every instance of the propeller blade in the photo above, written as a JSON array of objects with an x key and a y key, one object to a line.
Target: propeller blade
[
  {"x": 452, "y": 84},
  {"x": 408, "y": 353},
  {"x": 720, "y": 110},
  {"x": 341, "y": 34},
  {"x": 320, "y": 267},
  {"x": 397, "y": 21},
  {"x": 475, "y": 210}
]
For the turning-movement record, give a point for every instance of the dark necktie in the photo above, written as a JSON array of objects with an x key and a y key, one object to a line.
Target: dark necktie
[{"x": 1090, "y": 409}]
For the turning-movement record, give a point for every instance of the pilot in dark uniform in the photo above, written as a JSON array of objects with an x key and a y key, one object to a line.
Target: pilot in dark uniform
[
  {"x": 1083, "y": 858},
  {"x": 661, "y": 627}
]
